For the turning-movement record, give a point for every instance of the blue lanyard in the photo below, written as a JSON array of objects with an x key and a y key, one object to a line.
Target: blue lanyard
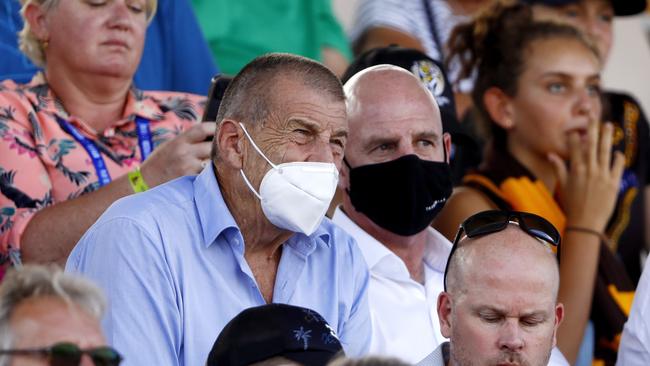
[
  {"x": 144, "y": 137},
  {"x": 144, "y": 141}
]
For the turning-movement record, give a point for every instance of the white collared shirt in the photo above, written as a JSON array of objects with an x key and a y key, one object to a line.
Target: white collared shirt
[{"x": 403, "y": 312}]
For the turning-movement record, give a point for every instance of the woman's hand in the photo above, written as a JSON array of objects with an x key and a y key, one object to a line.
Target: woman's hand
[
  {"x": 186, "y": 154},
  {"x": 589, "y": 186}
]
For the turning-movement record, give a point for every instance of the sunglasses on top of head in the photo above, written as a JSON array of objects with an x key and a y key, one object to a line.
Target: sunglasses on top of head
[{"x": 489, "y": 222}]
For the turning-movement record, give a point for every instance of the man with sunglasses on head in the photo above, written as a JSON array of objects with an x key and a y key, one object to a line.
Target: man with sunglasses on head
[
  {"x": 500, "y": 304},
  {"x": 51, "y": 318}
]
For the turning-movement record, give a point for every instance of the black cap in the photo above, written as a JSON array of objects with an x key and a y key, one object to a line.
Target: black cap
[
  {"x": 275, "y": 330},
  {"x": 621, "y": 7},
  {"x": 430, "y": 72}
]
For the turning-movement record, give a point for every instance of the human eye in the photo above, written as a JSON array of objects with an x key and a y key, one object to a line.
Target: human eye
[
  {"x": 571, "y": 12},
  {"x": 531, "y": 321},
  {"x": 96, "y": 3},
  {"x": 385, "y": 147},
  {"x": 136, "y": 6},
  {"x": 338, "y": 142},
  {"x": 490, "y": 317},
  {"x": 593, "y": 89},
  {"x": 426, "y": 143},
  {"x": 556, "y": 88}
]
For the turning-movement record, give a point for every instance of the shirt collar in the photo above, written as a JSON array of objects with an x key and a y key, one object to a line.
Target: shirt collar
[
  {"x": 435, "y": 255},
  {"x": 137, "y": 104},
  {"x": 373, "y": 251},
  {"x": 215, "y": 217}
]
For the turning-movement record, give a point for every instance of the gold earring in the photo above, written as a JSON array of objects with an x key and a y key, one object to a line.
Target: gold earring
[{"x": 45, "y": 43}]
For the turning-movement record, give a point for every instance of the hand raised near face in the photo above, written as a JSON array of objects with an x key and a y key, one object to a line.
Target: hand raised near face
[
  {"x": 183, "y": 155},
  {"x": 590, "y": 184}
]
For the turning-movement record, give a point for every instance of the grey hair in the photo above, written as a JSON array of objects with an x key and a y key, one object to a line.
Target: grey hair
[
  {"x": 33, "y": 281},
  {"x": 249, "y": 96},
  {"x": 33, "y": 48}
]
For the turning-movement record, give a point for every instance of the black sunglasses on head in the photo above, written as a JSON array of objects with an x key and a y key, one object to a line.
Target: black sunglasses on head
[
  {"x": 69, "y": 354},
  {"x": 488, "y": 222}
]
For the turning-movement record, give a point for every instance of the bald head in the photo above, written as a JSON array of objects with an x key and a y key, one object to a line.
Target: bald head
[
  {"x": 501, "y": 306},
  {"x": 387, "y": 92},
  {"x": 508, "y": 254}
]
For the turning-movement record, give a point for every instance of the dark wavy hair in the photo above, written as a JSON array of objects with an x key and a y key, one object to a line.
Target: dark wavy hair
[{"x": 494, "y": 45}]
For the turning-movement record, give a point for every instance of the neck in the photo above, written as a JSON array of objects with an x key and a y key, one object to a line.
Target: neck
[
  {"x": 538, "y": 165},
  {"x": 96, "y": 99},
  {"x": 410, "y": 249},
  {"x": 261, "y": 238}
]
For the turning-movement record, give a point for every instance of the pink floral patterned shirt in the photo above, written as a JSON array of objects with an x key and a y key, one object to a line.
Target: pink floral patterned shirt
[{"x": 41, "y": 164}]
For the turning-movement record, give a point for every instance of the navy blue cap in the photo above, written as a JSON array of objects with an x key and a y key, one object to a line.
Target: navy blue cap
[
  {"x": 621, "y": 7},
  {"x": 275, "y": 330}
]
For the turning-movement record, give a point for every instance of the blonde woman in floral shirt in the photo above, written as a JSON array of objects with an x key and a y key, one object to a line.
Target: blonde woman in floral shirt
[{"x": 80, "y": 135}]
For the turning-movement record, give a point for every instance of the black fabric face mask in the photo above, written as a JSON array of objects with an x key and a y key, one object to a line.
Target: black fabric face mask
[{"x": 402, "y": 196}]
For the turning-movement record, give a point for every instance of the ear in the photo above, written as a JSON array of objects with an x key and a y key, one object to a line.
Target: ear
[
  {"x": 559, "y": 315},
  {"x": 446, "y": 141},
  {"x": 228, "y": 140},
  {"x": 499, "y": 106},
  {"x": 35, "y": 16},
  {"x": 444, "y": 314}
]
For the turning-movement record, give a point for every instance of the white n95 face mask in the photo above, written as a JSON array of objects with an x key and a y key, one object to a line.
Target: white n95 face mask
[{"x": 295, "y": 196}]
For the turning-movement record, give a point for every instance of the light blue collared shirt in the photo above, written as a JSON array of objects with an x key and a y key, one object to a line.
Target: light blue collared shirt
[{"x": 171, "y": 261}]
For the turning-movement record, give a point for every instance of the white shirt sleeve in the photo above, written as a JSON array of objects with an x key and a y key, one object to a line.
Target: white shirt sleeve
[{"x": 635, "y": 343}]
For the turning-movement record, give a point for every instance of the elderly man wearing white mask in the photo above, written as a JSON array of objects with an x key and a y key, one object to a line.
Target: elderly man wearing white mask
[{"x": 179, "y": 261}]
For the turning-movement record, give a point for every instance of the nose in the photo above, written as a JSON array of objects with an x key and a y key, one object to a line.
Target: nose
[
  {"x": 587, "y": 104},
  {"x": 321, "y": 152},
  {"x": 120, "y": 15},
  {"x": 511, "y": 336},
  {"x": 86, "y": 361}
]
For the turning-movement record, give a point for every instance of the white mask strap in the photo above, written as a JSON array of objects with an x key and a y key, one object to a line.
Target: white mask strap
[
  {"x": 256, "y": 148},
  {"x": 249, "y": 184}
]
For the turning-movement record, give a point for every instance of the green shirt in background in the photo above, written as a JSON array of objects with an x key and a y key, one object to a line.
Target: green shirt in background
[{"x": 237, "y": 31}]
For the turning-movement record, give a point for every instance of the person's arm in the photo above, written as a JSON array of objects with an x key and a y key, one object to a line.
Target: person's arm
[
  {"x": 143, "y": 321},
  {"x": 463, "y": 203},
  {"x": 588, "y": 189},
  {"x": 51, "y": 233}
]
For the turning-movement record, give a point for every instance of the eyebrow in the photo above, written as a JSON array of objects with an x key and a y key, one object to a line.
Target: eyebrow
[
  {"x": 314, "y": 127},
  {"x": 374, "y": 140},
  {"x": 568, "y": 76},
  {"x": 502, "y": 312}
]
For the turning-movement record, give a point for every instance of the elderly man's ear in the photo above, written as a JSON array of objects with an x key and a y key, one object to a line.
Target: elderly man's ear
[
  {"x": 444, "y": 314},
  {"x": 229, "y": 144}
]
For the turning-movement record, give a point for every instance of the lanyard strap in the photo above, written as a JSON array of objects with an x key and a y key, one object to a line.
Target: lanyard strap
[
  {"x": 144, "y": 141},
  {"x": 144, "y": 137},
  {"x": 431, "y": 20}
]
